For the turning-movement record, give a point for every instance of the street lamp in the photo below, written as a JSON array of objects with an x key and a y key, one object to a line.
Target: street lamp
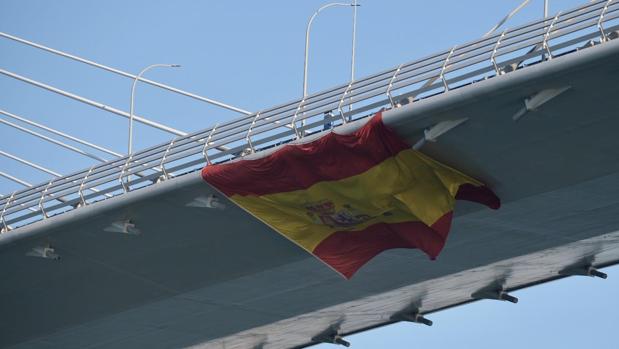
[
  {"x": 135, "y": 81},
  {"x": 354, "y": 37},
  {"x": 307, "y": 36}
]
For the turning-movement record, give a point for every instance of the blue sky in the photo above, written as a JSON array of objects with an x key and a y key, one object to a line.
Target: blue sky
[
  {"x": 577, "y": 312},
  {"x": 250, "y": 54}
]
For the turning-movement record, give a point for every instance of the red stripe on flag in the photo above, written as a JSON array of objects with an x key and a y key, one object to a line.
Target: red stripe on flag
[
  {"x": 299, "y": 166},
  {"x": 347, "y": 251},
  {"x": 482, "y": 195}
]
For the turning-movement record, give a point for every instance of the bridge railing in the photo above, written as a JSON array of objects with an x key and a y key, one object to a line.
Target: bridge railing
[{"x": 493, "y": 55}]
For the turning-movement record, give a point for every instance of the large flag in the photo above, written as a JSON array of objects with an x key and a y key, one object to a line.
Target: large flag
[{"x": 347, "y": 198}]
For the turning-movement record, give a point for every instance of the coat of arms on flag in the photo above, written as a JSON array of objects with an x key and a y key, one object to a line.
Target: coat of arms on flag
[{"x": 347, "y": 197}]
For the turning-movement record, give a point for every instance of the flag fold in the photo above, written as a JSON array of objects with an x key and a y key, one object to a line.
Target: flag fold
[{"x": 347, "y": 198}]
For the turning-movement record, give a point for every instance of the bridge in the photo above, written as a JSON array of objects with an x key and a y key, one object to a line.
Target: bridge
[{"x": 132, "y": 243}]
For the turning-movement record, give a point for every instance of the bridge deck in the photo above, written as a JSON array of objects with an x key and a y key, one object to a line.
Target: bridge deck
[{"x": 200, "y": 276}]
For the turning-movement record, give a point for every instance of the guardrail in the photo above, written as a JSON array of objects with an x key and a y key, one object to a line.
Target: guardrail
[{"x": 461, "y": 65}]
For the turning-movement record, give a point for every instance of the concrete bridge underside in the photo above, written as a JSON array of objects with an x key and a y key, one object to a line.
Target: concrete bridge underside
[{"x": 199, "y": 276}]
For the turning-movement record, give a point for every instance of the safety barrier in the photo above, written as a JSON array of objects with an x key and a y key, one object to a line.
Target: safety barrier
[{"x": 460, "y": 65}]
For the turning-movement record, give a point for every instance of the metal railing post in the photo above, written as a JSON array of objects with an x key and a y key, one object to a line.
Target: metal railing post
[
  {"x": 248, "y": 135},
  {"x": 493, "y": 56},
  {"x": 163, "y": 158},
  {"x": 206, "y": 144},
  {"x": 5, "y": 227},
  {"x": 122, "y": 174},
  {"x": 600, "y": 26},
  {"x": 442, "y": 74},
  {"x": 391, "y": 85},
  {"x": 81, "y": 190},
  {"x": 545, "y": 45},
  {"x": 339, "y": 106},
  {"x": 41, "y": 207},
  {"x": 294, "y": 119}
]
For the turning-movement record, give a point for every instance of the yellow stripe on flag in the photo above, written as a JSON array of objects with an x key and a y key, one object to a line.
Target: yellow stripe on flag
[{"x": 406, "y": 187}]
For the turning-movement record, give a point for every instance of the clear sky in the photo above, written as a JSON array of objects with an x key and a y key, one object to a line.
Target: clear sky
[{"x": 250, "y": 54}]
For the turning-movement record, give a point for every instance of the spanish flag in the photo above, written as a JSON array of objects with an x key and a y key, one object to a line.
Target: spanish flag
[{"x": 347, "y": 198}]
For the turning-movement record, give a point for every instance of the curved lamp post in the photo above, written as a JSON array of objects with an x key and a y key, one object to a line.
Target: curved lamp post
[
  {"x": 307, "y": 36},
  {"x": 135, "y": 81}
]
